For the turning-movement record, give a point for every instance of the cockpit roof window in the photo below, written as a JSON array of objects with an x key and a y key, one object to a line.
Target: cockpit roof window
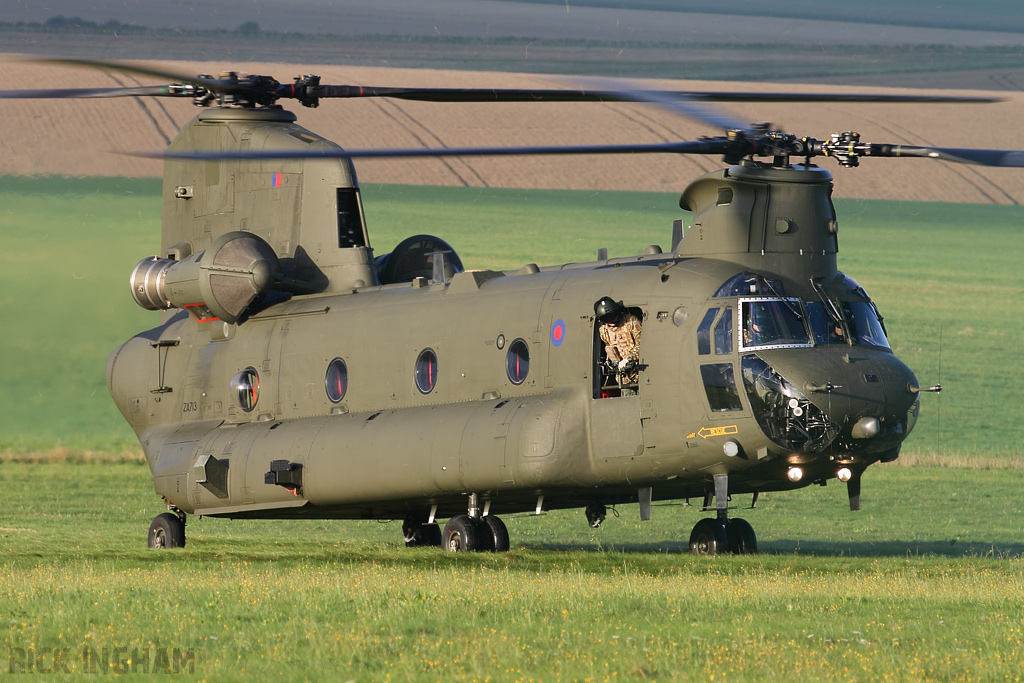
[
  {"x": 749, "y": 284},
  {"x": 772, "y": 322}
]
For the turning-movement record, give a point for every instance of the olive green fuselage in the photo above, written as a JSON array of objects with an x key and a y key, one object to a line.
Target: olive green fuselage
[{"x": 350, "y": 398}]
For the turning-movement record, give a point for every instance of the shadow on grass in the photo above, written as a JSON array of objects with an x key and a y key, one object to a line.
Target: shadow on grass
[
  {"x": 882, "y": 548},
  {"x": 284, "y": 556}
]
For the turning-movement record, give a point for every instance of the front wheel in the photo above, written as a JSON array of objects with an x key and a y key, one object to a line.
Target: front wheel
[
  {"x": 461, "y": 534},
  {"x": 495, "y": 534},
  {"x": 742, "y": 539},
  {"x": 708, "y": 537},
  {"x": 167, "y": 531}
]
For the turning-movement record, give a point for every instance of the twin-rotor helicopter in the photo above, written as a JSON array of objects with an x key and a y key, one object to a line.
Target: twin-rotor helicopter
[{"x": 294, "y": 373}]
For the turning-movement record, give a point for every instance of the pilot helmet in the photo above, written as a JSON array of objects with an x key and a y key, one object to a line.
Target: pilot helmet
[{"x": 607, "y": 308}]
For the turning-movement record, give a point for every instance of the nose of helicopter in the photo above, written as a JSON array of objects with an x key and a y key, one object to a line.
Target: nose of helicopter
[{"x": 859, "y": 401}]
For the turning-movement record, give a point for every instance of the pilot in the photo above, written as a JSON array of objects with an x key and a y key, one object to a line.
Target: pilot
[
  {"x": 752, "y": 331},
  {"x": 620, "y": 331}
]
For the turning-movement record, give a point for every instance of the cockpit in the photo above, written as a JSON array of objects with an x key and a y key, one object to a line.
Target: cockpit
[
  {"x": 751, "y": 316},
  {"x": 768, "y": 319}
]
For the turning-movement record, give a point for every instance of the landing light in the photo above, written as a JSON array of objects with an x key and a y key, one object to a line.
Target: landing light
[
  {"x": 844, "y": 474},
  {"x": 795, "y": 474}
]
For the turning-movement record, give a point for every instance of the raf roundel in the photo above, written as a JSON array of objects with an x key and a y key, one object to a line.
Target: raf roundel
[{"x": 558, "y": 332}]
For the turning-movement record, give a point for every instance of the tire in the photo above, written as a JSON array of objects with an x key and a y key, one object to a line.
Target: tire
[
  {"x": 708, "y": 537},
  {"x": 742, "y": 539},
  {"x": 461, "y": 534},
  {"x": 494, "y": 534},
  {"x": 420, "y": 533},
  {"x": 167, "y": 531},
  {"x": 430, "y": 535}
]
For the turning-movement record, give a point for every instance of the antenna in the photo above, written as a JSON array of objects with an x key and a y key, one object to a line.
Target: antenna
[{"x": 938, "y": 408}]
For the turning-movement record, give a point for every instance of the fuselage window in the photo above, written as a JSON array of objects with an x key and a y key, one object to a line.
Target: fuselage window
[
  {"x": 774, "y": 322},
  {"x": 720, "y": 387},
  {"x": 517, "y": 361},
  {"x": 336, "y": 381},
  {"x": 723, "y": 333},
  {"x": 245, "y": 386},
  {"x": 704, "y": 332},
  {"x": 426, "y": 371}
]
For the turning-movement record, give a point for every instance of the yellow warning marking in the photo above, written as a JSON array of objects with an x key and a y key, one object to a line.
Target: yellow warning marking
[
  {"x": 705, "y": 432},
  {"x": 691, "y": 435}
]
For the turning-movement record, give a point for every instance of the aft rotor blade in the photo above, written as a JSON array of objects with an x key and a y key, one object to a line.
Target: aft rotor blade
[
  {"x": 466, "y": 95},
  {"x": 710, "y": 146},
  {"x": 137, "y": 70},
  {"x": 268, "y": 88}
]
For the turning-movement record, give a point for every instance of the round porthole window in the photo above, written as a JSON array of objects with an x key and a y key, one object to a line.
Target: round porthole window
[
  {"x": 245, "y": 386},
  {"x": 336, "y": 381},
  {"x": 517, "y": 361},
  {"x": 426, "y": 371}
]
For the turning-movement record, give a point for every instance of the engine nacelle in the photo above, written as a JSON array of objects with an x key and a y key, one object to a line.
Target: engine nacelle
[{"x": 220, "y": 282}]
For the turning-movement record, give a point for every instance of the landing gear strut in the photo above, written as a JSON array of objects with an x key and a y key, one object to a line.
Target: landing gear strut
[{"x": 720, "y": 534}]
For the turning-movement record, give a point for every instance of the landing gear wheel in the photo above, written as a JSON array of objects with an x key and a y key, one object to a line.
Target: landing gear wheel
[
  {"x": 167, "y": 531},
  {"x": 708, "y": 537},
  {"x": 420, "y": 533},
  {"x": 493, "y": 534},
  {"x": 742, "y": 539},
  {"x": 461, "y": 534},
  {"x": 432, "y": 535}
]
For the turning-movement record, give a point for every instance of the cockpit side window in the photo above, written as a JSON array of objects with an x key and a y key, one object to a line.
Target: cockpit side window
[
  {"x": 723, "y": 333},
  {"x": 720, "y": 387},
  {"x": 704, "y": 332},
  {"x": 772, "y": 322}
]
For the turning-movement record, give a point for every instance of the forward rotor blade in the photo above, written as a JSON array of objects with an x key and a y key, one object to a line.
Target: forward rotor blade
[
  {"x": 69, "y": 93},
  {"x": 1003, "y": 158},
  {"x": 710, "y": 146}
]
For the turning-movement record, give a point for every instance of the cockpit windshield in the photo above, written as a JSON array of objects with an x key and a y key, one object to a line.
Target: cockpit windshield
[
  {"x": 865, "y": 325},
  {"x": 860, "y": 324},
  {"x": 772, "y": 322},
  {"x": 825, "y": 328}
]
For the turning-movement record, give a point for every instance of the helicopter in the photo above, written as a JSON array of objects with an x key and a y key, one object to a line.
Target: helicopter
[{"x": 293, "y": 373}]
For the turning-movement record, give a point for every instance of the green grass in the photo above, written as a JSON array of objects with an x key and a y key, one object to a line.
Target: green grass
[
  {"x": 923, "y": 584},
  {"x": 70, "y": 245}
]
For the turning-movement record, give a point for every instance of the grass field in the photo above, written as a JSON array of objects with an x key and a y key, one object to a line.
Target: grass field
[
  {"x": 945, "y": 276},
  {"x": 924, "y": 583},
  {"x": 913, "y": 587}
]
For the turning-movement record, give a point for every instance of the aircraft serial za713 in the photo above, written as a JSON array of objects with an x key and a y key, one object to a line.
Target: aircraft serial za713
[{"x": 294, "y": 374}]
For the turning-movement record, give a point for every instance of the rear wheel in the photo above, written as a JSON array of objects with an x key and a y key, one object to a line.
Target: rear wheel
[
  {"x": 167, "y": 531},
  {"x": 418, "y": 533},
  {"x": 708, "y": 537}
]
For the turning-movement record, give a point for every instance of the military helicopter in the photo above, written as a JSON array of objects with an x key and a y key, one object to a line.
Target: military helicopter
[{"x": 294, "y": 374}]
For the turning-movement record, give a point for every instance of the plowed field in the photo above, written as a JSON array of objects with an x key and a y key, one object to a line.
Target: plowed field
[{"x": 96, "y": 137}]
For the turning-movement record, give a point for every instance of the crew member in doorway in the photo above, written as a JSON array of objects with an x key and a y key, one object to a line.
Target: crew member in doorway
[{"x": 620, "y": 331}]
